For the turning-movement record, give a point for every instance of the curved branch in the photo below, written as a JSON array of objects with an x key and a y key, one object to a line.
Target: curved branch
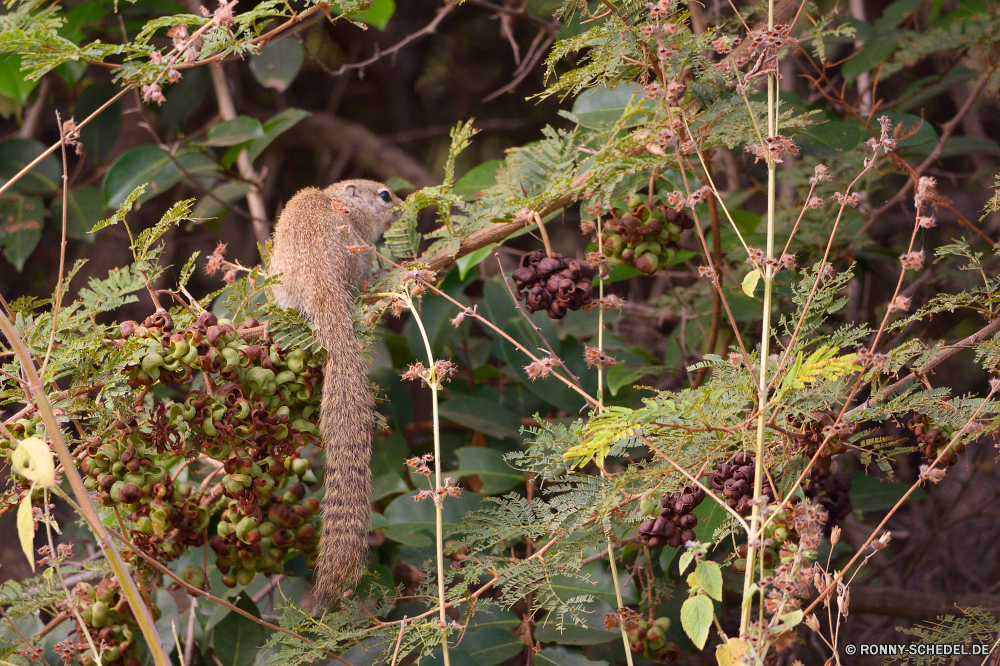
[{"x": 370, "y": 151}]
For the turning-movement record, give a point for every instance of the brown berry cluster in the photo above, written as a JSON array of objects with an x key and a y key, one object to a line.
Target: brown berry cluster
[
  {"x": 734, "y": 480},
  {"x": 643, "y": 235},
  {"x": 676, "y": 522},
  {"x": 110, "y": 623},
  {"x": 931, "y": 440},
  {"x": 815, "y": 430},
  {"x": 831, "y": 491},
  {"x": 650, "y": 640},
  {"x": 553, "y": 283}
]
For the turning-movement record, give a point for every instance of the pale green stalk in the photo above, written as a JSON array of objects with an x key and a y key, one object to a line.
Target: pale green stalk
[
  {"x": 618, "y": 594},
  {"x": 142, "y": 615},
  {"x": 765, "y": 338},
  {"x": 435, "y": 384}
]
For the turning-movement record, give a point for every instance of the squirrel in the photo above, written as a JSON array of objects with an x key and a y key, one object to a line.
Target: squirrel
[{"x": 319, "y": 277}]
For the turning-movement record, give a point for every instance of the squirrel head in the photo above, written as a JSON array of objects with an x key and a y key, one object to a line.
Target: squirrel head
[{"x": 372, "y": 205}]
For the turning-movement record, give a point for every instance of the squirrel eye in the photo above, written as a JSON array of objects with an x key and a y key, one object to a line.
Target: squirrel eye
[{"x": 385, "y": 196}]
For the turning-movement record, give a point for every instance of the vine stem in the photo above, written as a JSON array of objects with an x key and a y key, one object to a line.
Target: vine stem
[
  {"x": 767, "y": 273},
  {"x": 435, "y": 385},
  {"x": 87, "y": 509},
  {"x": 618, "y": 595}
]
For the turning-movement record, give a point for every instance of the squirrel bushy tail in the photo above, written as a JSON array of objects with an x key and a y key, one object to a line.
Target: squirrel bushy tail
[{"x": 346, "y": 425}]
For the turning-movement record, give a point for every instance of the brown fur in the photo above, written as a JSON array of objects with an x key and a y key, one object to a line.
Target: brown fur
[{"x": 319, "y": 278}]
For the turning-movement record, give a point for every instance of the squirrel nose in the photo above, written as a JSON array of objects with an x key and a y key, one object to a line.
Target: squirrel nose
[{"x": 396, "y": 214}]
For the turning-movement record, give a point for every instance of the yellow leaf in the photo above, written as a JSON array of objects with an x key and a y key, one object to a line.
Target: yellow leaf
[
  {"x": 26, "y": 529},
  {"x": 33, "y": 460},
  {"x": 729, "y": 653}
]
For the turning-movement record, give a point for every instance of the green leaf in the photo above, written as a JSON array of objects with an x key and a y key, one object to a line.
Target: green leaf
[
  {"x": 184, "y": 97},
  {"x": 870, "y": 493},
  {"x": 483, "y": 416},
  {"x": 602, "y": 108},
  {"x": 472, "y": 259},
  {"x": 237, "y": 131},
  {"x": 558, "y": 655},
  {"x": 709, "y": 576},
  {"x": 21, "y": 220},
  {"x": 592, "y": 633},
  {"x": 413, "y": 523},
  {"x": 696, "y": 619},
  {"x": 236, "y": 639},
  {"x": 619, "y": 376},
  {"x": 457, "y": 656},
  {"x": 277, "y": 64},
  {"x": 489, "y": 465},
  {"x": 602, "y": 587},
  {"x": 494, "y": 617},
  {"x": 492, "y": 645},
  {"x": 839, "y": 136},
  {"x": 100, "y": 135},
  {"x": 84, "y": 209},
  {"x": 26, "y": 529},
  {"x": 44, "y": 178},
  {"x": 12, "y": 81},
  {"x": 477, "y": 179},
  {"x": 223, "y": 197},
  {"x": 687, "y": 557},
  {"x": 274, "y": 127},
  {"x": 750, "y": 281},
  {"x": 875, "y": 50},
  {"x": 377, "y": 15},
  {"x": 149, "y": 164}
]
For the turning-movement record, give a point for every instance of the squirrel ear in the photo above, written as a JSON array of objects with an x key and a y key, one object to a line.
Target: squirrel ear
[{"x": 352, "y": 190}]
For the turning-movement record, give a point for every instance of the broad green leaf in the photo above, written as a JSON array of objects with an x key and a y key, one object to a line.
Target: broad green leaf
[
  {"x": 483, "y": 416},
  {"x": 239, "y": 130},
  {"x": 494, "y": 617},
  {"x": 149, "y": 164},
  {"x": 21, "y": 220},
  {"x": 959, "y": 146},
  {"x": 274, "y": 127},
  {"x": 223, "y": 196},
  {"x": 839, "y": 136},
  {"x": 619, "y": 375},
  {"x": 875, "y": 50},
  {"x": 412, "y": 523},
  {"x": 601, "y": 585},
  {"x": 84, "y": 209},
  {"x": 44, "y": 178},
  {"x": 12, "y": 81},
  {"x": 236, "y": 639},
  {"x": 558, "y": 655},
  {"x": 477, "y": 179},
  {"x": 894, "y": 14},
  {"x": 100, "y": 135},
  {"x": 750, "y": 281},
  {"x": 489, "y": 465},
  {"x": 377, "y": 15},
  {"x": 278, "y": 63},
  {"x": 184, "y": 97},
  {"x": 457, "y": 656},
  {"x": 687, "y": 557},
  {"x": 472, "y": 259},
  {"x": 602, "y": 108},
  {"x": 492, "y": 645},
  {"x": 26, "y": 529},
  {"x": 709, "y": 576},
  {"x": 696, "y": 619},
  {"x": 870, "y": 493},
  {"x": 33, "y": 460},
  {"x": 385, "y": 485},
  {"x": 591, "y": 633}
]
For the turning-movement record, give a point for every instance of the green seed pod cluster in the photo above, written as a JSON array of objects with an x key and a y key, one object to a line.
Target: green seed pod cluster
[
  {"x": 111, "y": 623},
  {"x": 247, "y": 405},
  {"x": 933, "y": 438},
  {"x": 783, "y": 539},
  {"x": 650, "y": 640},
  {"x": 643, "y": 235},
  {"x": 250, "y": 544},
  {"x": 21, "y": 429}
]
